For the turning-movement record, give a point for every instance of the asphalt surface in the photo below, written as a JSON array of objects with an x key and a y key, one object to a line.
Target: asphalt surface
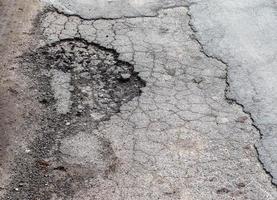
[
  {"x": 157, "y": 99},
  {"x": 243, "y": 34}
]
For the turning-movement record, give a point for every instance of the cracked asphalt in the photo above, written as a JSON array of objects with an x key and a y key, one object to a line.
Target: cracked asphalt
[{"x": 157, "y": 99}]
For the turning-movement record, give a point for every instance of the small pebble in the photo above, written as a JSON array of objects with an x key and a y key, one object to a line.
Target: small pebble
[
  {"x": 27, "y": 150},
  {"x": 80, "y": 107},
  {"x": 125, "y": 76},
  {"x": 242, "y": 119},
  {"x": 21, "y": 184}
]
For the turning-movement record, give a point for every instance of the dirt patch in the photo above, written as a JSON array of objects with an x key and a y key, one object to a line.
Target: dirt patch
[{"x": 16, "y": 18}]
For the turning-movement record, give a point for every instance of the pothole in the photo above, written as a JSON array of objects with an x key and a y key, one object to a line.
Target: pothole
[
  {"x": 79, "y": 85},
  {"x": 86, "y": 77}
]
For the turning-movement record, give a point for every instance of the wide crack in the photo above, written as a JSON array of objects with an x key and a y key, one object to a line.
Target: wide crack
[
  {"x": 80, "y": 85},
  {"x": 228, "y": 98}
]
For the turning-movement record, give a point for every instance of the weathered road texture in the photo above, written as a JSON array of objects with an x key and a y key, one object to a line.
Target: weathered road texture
[
  {"x": 243, "y": 34},
  {"x": 160, "y": 127},
  {"x": 93, "y": 9},
  {"x": 15, "y": 99}
]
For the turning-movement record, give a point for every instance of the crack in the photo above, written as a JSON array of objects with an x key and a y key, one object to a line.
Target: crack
[
  {"x": 52, "y": 8},
  {"x": 229, "y": 99}
]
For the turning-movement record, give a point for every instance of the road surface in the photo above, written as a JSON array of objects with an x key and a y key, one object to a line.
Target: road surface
[{"x": 150, "y": 99}]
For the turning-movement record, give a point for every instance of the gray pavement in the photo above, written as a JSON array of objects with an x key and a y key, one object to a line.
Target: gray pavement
[
  {"x": 243, "y": 34},
  {"x": 152, "y": 100},
  {"x": 93, "y": 9}
]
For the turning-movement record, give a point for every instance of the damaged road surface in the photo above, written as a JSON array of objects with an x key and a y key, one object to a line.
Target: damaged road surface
[
  {"x": 142, "y": 100},
  {"x": 81, "y": 84}
]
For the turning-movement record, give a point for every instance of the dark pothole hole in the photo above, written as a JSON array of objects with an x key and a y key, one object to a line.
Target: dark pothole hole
[{"x": 97, "y": 80}]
